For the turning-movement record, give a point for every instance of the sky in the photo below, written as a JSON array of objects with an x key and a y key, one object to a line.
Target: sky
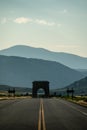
[{"x": 57, "y": 25}]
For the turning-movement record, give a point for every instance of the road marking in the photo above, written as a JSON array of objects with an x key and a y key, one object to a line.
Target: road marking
[
  {"x": 41, "y": 121},
  {"x": 74, "y": 108}
]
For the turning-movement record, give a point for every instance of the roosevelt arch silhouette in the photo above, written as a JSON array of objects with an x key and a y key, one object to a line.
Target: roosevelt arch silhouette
[{"x": 40, "y": 85}]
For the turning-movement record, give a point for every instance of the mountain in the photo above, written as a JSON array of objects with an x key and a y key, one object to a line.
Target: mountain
[
  {"x": 21, "y": 72},
  {"x": 79, "y": 87},
  {"x": 70, "y": 60}
]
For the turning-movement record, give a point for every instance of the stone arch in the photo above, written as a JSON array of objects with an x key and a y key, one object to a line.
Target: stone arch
[{"x": 40, "y": 85}]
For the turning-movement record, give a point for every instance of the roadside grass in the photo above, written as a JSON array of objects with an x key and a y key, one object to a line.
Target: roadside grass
[
  {"x": 81, "y": 100},
  {"x": 6, "y": 96}
]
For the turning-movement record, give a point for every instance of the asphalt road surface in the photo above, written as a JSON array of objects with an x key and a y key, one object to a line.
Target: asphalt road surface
[{"x": 42, "y": 114}]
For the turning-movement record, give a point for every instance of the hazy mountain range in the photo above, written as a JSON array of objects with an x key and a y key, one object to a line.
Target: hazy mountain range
[
  {"x": 70, "y": 60},
  {"x": 21, "y": 72}
]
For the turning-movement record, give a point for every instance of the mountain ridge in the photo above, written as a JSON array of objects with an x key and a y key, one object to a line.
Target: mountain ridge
[
  {"x": 40, "y": 48},
  {"x": 70, "y": 60}
]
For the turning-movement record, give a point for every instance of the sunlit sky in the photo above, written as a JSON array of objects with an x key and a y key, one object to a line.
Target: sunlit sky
[{"x": 57, "y": 25}]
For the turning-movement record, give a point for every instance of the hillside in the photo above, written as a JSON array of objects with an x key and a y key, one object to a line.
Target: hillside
[
  {"x": 21, "y": 72},
  {"x": 80, "y": 87},
  {"x": 70, "y": 60}
]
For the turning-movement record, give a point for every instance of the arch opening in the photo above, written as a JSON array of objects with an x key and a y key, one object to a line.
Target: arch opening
[{"x": 40, "y": 92}]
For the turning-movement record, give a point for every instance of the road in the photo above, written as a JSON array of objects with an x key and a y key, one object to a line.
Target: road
[{"x": 42, "y": 114}]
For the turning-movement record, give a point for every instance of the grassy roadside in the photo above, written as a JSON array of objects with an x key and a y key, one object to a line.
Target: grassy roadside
[
  {"x": 12, "y": 98},
  {"x": 6, "y": 96},
  {"x": 81, "y": 100}
]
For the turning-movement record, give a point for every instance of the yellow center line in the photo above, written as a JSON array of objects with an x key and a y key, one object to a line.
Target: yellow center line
[{"x": 41, "y": 121}]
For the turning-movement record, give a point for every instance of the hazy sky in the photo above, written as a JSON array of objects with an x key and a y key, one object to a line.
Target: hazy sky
[{"x": 58, "y": 25}]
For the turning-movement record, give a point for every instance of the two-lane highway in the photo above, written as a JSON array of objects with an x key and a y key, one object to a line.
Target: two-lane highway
[{"x": 42, "y": 114}]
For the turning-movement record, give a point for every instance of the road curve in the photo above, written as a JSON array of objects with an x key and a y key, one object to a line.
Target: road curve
[{"x": 42, "y": 114}]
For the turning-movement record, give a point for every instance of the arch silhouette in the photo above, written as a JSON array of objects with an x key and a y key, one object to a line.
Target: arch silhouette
[{"x": 40, "y": 85}]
